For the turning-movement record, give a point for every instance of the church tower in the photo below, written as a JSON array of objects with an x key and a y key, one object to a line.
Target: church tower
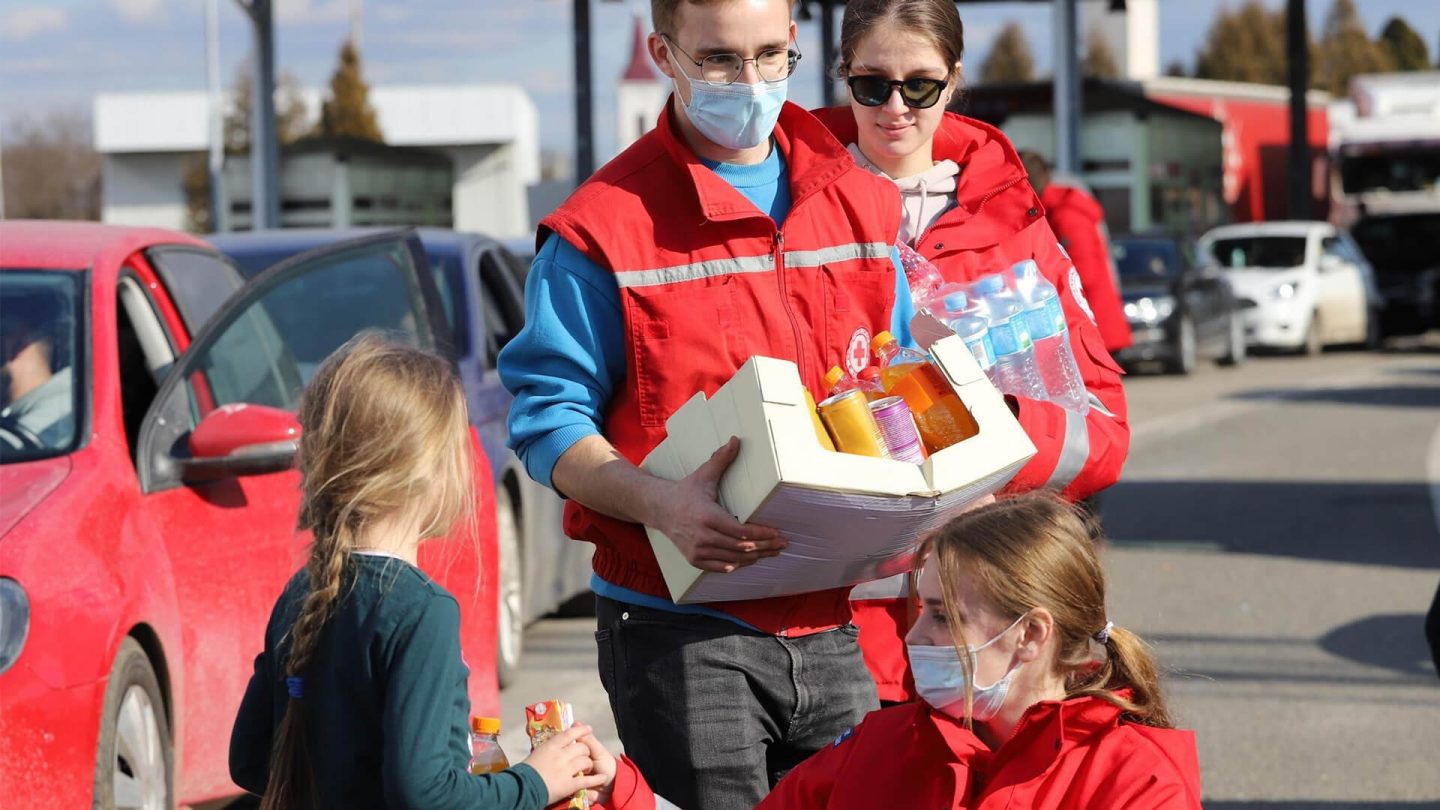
[{"x": 641, "y": 94}]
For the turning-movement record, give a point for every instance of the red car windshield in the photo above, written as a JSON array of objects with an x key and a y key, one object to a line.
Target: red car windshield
[{"x": 41, "y": 325}]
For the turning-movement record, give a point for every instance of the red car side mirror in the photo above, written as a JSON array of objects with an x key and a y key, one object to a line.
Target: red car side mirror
[{"x": 241, "y": 439}]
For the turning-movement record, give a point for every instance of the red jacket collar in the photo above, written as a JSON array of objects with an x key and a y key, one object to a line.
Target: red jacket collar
[
  {"x": 1050, "y": 728},
  {"x": 813, "y": 158},
  {"x": 988, "y": 162}
]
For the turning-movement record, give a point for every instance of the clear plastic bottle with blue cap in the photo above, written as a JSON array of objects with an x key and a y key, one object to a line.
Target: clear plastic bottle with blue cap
[
  {"x": 1054, "y": 356},
  {"x": 1014, "y": 372},
  {"x": 969, "y": 322}
]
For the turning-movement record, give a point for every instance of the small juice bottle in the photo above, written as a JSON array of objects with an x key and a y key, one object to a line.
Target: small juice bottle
[
  {"x": 485, "y": 753},
  {"x": 838, "y": 382}
]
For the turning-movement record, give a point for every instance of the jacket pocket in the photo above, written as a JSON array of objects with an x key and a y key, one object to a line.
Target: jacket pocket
[
  {"x": 683, "y": 341},
  {"x": 858, "y": 304}
]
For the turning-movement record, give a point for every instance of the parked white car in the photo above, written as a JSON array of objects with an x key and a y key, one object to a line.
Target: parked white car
[{"x": 1301, "y": 285}]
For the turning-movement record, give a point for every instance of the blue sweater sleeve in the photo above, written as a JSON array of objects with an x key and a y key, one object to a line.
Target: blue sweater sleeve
[
  {"x": 566, "y": 363},
  {"x": 904, "y": 310}
]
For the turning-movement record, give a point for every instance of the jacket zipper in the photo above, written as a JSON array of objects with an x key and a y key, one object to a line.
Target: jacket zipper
[{"x": 778, "y": 246}]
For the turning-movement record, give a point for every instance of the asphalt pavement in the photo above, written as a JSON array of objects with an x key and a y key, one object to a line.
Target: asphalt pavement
[{"x": 1274, "y": 535}]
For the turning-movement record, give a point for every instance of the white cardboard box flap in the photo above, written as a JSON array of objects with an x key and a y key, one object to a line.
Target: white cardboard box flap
[{"x": 848, "y": 518}]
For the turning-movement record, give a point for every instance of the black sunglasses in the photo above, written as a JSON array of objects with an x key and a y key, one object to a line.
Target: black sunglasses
[{"x": 917, "y": 93}]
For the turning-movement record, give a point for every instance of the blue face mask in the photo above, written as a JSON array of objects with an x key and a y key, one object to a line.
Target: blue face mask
[
  {"x": 940, "y": 679},
  {"x": 736, "y": 115}
]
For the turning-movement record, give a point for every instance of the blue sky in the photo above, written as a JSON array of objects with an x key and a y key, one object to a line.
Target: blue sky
[{"x": 56, "y": 54}]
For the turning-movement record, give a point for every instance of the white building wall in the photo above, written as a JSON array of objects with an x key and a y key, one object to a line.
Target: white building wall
[
  {"x": 637, "y": 108},
  {"x": 143, "y": 189},
  {"x": 491, "y": 131},
  {"x": 1133, "y": 35},
  {"x": 489, "y": 194}
]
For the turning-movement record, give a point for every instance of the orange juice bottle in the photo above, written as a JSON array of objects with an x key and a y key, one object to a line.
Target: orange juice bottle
[
  {"x": 942, "y": 418},
  {"x": 485, "y": 753}
]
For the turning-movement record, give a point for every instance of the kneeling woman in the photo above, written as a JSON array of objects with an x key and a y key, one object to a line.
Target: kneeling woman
[{"x": 1030, "y": 696}]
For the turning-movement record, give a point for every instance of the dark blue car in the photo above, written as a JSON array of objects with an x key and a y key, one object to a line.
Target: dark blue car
[{"x": 481, "y": 284}]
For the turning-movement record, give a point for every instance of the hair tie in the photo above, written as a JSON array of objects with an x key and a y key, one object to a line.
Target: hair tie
[
  {"x": 1104, "y": 635},
  {"x": 295, "y": 685}
]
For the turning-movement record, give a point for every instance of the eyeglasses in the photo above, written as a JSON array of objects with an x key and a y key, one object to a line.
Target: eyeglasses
[
  {"x": 774, "y": 65},
  {"x": 917, "y": 93}
]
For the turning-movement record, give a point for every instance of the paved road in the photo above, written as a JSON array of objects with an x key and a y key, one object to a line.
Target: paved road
[{"x": 1274, "y": 535}]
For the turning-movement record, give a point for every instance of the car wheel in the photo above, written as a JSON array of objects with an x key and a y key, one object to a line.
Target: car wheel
[
  {"x": 1314, "y": 342},
  {"x": 510, "y": 616},
  {"x": 1235, "y": 350},
  {"x": 1183, "y": 359},
  {"x": 134, "y": 762},
  {"x": 1374, "y": 337}
]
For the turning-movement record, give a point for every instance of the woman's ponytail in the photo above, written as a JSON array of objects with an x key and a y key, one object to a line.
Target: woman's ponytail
[{"x": 1128, "y": 665}]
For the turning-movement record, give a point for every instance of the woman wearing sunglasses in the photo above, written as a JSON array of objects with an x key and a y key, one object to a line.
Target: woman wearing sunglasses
[{"x": 969, "y": 209}]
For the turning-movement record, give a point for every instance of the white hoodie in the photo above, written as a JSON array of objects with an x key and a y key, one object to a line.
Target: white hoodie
[{"x": 925, "y": 196}]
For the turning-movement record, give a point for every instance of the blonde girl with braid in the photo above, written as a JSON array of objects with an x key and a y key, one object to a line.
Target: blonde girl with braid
[{"x": 358, "y": 699}]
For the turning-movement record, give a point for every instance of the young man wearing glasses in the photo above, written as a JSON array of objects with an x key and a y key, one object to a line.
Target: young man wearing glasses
[{"x": 738, "y": 227}]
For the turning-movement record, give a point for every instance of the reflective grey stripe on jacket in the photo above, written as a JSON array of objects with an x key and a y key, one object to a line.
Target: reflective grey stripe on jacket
[{"x": 715, "y": 268}]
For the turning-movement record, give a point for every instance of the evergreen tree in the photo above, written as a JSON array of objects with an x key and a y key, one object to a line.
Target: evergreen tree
[
  {"x": 1176, "y": 68},
  {"x": 1404, "y": 46},
  {"x": 1009, "y": 60},
  {"x": 1099, "y": 60},
  {"x": 1245, "y": 45},
  {"x": 347, "y": 112},
  {"x": 1346, "y": 50}
]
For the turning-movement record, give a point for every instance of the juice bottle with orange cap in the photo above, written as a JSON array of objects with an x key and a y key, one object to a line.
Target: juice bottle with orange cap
[
  {"x": 485, "y": 753},
  {"x": 838, "y": 382},
  {"x": 942, "y": 418}
]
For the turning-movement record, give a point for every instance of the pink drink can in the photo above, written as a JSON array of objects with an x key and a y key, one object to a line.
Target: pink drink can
[{"x": 897, "y": 425}]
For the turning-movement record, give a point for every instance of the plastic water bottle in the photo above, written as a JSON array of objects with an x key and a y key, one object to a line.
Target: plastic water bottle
[
  {"x": 923, "y": 277},
  {"x": 970, "y": 324},
  {"x": 1054, "y": 357},
  {"x": 1014, "y": 372}
]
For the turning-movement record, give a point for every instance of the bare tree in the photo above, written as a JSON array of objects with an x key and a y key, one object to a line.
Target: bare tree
[{"x": 52, "y": 170}]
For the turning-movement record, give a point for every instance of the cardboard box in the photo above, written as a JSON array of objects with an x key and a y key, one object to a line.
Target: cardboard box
[{"x": 848, "y": 518}]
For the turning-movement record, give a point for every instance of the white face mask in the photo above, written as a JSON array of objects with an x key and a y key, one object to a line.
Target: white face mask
[{"x": 940, "y": 679}]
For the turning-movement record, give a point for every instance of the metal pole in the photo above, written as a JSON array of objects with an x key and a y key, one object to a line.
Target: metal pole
[
  {"x": 584, "y": 121},
  {"x": 827, "y": 53},
  {"x": 1066, "y": 90},
  {"x": 218, "y": 218},
  {"x": 1298, "y": 63},
  {"x": 264, "y": 141}
]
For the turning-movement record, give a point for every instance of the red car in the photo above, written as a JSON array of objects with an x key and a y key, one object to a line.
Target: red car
[{"x": 148, "y": 496}]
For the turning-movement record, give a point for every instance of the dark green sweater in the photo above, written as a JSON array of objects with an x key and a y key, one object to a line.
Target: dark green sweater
[{"x": 385, "y": 692}]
